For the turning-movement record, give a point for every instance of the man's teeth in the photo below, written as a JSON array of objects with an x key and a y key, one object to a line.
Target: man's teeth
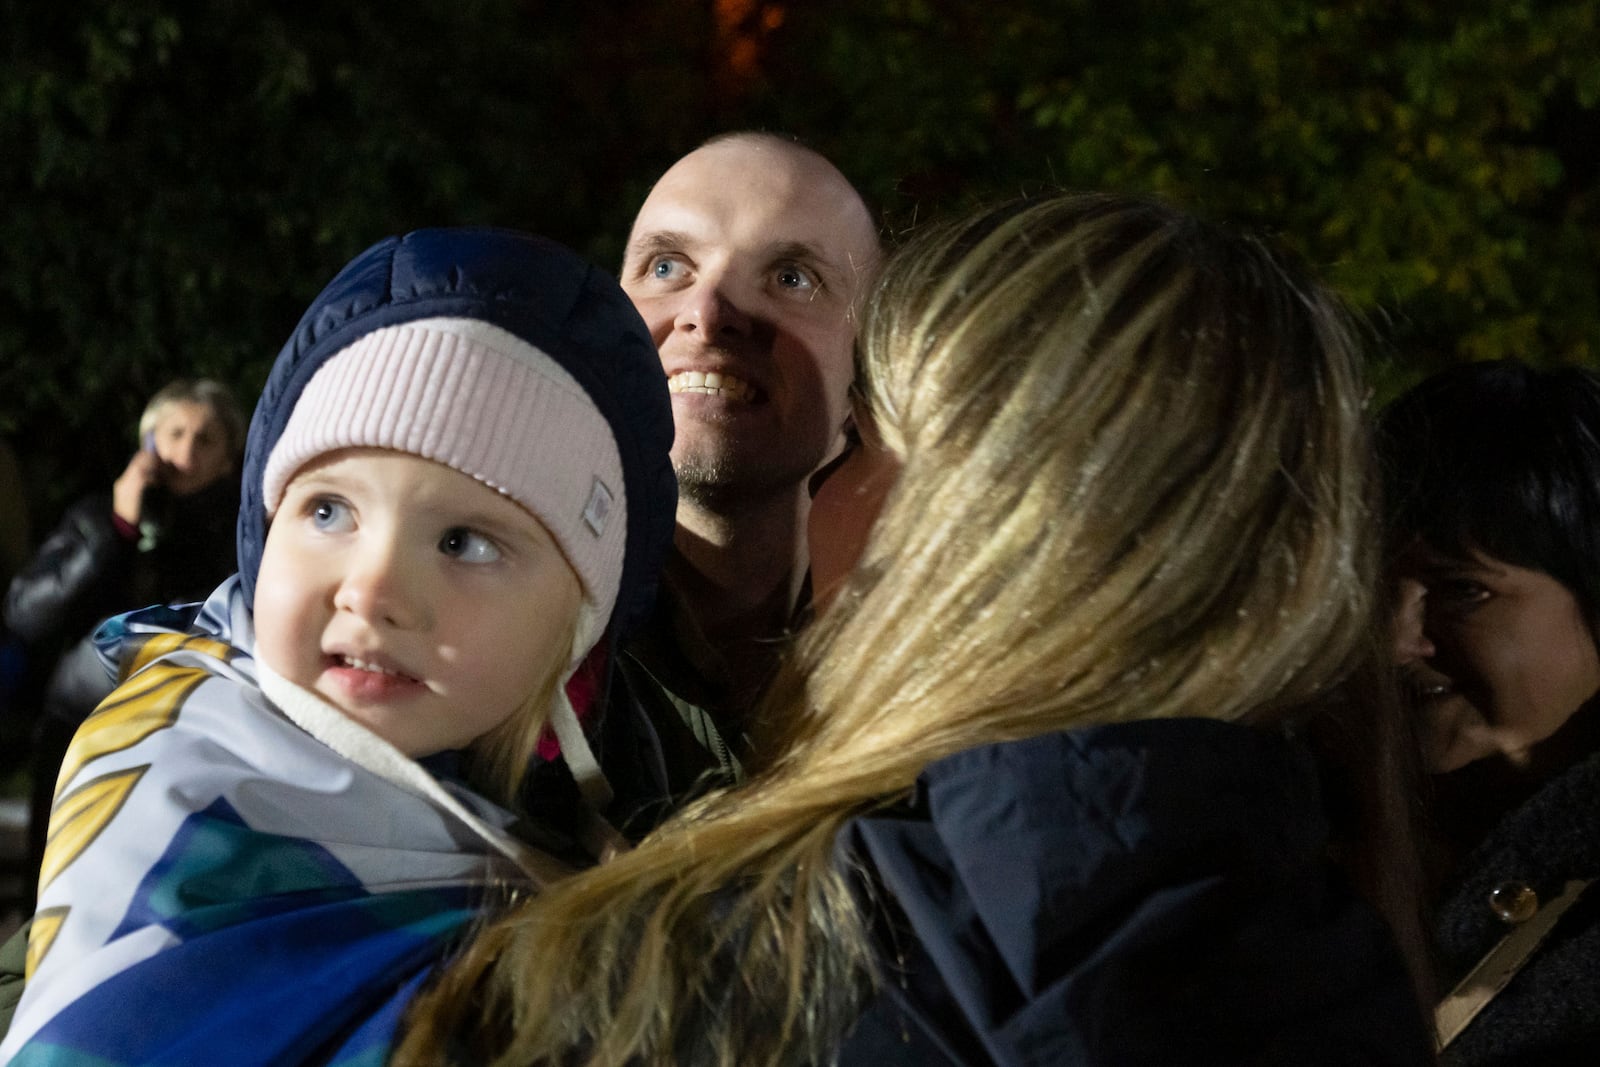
[
  {"x": 711, "y": 384},
  {"x": 363, "y": 665}
]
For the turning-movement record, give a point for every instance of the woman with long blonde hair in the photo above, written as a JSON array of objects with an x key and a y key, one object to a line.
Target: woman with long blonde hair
[{"x": 1033, "y": 792}]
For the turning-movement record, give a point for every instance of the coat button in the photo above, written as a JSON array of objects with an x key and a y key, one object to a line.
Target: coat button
[{"x": 1513, "y": 902}]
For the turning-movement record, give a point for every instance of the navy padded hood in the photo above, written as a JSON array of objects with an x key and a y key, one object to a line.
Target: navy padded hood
[{"x": 537, "y": 290}]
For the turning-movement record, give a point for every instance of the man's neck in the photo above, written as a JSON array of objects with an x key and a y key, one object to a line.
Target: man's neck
[
  {"x": 741, "y": 570},
  {"x": 740, "y": 574}
]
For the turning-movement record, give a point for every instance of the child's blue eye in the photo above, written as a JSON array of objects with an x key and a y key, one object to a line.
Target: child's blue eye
[
  {"x": 468, "y": 546},
  {"x": 329, "y": 515}
]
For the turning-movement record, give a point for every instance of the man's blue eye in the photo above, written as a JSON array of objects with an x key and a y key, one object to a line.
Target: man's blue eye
[
  {"x": 794, "y": 278},
  {"x": 663, "y": 268},
  {"x": 468, "y": 546}
]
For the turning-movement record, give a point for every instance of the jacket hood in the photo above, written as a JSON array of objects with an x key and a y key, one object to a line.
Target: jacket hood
[
  {"x": 1145, "y": 892},
  {"x": 543, "y": 294}
]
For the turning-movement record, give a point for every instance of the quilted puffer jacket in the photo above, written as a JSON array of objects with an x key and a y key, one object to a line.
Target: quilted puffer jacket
[{"x": 1155, "y": 892}]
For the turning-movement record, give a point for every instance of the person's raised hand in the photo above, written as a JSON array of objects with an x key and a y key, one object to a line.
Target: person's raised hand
[{"x": 127, "y": 492}]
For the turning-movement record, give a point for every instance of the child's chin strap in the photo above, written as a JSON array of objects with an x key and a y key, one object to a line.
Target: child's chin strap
[
  {"x": 576, "y": 751},
  {"x": 596, "y": 834}
]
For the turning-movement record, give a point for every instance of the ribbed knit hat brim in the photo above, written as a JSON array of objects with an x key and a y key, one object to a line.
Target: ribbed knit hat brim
[{"x": 478, "y": 399}]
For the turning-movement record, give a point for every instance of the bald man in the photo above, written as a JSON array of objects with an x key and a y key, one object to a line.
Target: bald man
[{"x": 747, "y": 261}]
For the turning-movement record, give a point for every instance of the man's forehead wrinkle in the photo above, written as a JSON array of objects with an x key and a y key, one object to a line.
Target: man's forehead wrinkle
[{"x": 760, "y": 200}]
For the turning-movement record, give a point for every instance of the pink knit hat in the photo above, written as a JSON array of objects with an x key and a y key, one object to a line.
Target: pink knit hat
[{"x": 482, "y": 401}]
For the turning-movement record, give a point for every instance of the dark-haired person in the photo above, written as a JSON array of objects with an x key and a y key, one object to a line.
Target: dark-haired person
[{"x": 1494, "y": 508}]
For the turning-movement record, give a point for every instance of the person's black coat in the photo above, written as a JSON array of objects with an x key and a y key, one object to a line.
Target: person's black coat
[
  {"x": 1549, "y": 1013},
  {"x": 85, "y": 570}
]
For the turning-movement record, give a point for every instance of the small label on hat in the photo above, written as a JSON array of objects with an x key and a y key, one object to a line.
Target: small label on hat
[{"x": 599, "y": 506}]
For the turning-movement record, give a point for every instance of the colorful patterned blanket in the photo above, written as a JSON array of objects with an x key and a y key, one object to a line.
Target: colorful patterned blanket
[{"x": 237, "y": 874}]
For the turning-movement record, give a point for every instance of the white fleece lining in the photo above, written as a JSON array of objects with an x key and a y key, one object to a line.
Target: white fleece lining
[{"x": 361, "y": 746}]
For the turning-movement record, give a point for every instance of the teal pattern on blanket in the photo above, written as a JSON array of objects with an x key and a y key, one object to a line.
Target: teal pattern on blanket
[
  {"x": 283, "y": 953},
  {"x": 218, "y": 871}
]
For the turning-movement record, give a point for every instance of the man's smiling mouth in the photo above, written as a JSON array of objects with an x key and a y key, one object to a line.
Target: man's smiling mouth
[{"x": 711, "y": 383}]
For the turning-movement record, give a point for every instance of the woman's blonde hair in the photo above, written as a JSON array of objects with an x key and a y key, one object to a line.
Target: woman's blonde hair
[{"x": 1134, "y": 486}]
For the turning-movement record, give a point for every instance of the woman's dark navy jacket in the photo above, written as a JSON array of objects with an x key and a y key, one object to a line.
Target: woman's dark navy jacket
[{"x": 1146, "y": 893}]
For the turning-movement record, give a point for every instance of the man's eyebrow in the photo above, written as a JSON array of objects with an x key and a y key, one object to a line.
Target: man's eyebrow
[
  {"x": 654, "y": 243},
  {"x": 833, "y": 274},
  {"x": 799, "y": 250}
]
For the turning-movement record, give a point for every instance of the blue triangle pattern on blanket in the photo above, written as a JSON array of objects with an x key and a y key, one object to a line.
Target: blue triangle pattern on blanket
[
  {"x": 284, "y": 958},
  {"x": 217, "y": 871}
]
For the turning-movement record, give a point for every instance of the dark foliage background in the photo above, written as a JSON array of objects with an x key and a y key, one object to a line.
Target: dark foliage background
[{"x": 180, "y": 177}]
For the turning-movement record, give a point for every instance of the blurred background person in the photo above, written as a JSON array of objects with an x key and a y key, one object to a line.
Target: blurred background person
[
  {"x": 164, "y": 533},
  {"x": 1493, "y": 492}
]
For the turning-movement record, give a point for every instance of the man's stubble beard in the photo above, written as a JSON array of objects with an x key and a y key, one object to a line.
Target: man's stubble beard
[{"x": 727, "y": 478}]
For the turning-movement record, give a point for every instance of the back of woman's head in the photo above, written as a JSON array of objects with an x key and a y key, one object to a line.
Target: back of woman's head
[
  {"x": 1133, "y": 481},
  {"x": 1133, "y": 461},
  {"x": 1503, "y": 459}
]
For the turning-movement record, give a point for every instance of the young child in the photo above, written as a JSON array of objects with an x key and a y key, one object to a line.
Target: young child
[{"x": 456, "y": 486}]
